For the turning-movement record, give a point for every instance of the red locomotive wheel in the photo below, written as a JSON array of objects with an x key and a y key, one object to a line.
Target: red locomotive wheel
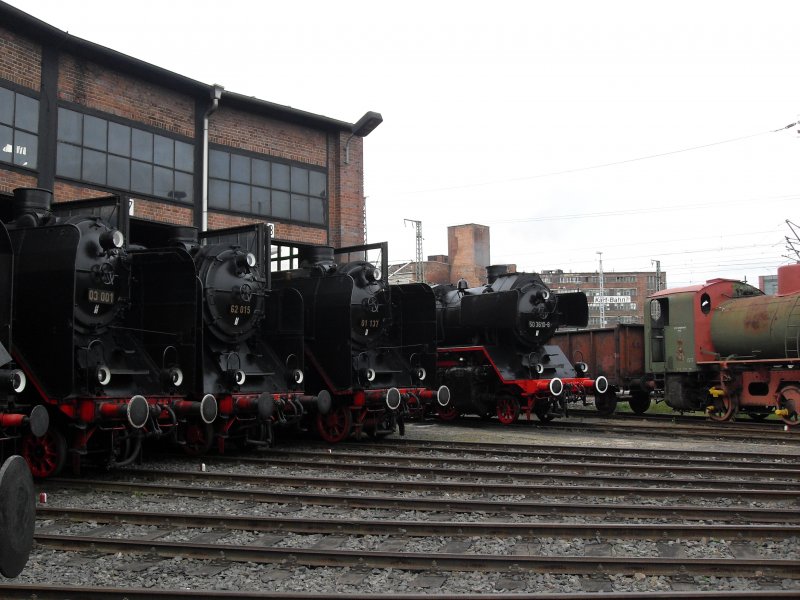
[
  {"x": 507, "y": 409},
  {"x": 45, "y": 455},
  {"x": 448, "y": 413},
  {"x": 723, "y": 408},
  {"x": 789, "y": 399},
  {"x": 335, "y": 426},
  {"x": 199, "y": 437}
]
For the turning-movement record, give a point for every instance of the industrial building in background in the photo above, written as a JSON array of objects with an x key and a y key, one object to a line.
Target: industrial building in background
[
  {"x": 86, "y": 121},
  {"x": 613, "y": 297}
]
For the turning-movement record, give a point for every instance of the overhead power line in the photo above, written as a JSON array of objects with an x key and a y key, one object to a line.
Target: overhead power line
[{"x": 598, "y": 166}]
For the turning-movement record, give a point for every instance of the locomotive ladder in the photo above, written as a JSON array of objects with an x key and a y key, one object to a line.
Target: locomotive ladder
[{"x": 792, "y": 339}]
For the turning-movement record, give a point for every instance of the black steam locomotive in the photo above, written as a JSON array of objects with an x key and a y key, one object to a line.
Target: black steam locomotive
[
  {"x": 17, "y": 505},
  {"x": 370, "y": 344},
  {"x": 81, "y": 317},
  {"x": 494, "y": 353},
  {"x": 251, "y": 351}
]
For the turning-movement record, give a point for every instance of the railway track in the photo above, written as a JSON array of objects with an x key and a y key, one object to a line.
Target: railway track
[
  {"x": 426, "y": 517},
  {"x": 42, "y": 592},
  {"x": 659, "y": 428}
]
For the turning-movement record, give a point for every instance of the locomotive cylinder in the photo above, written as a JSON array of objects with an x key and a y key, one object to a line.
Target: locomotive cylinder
[{"x": 762, "y": 327}]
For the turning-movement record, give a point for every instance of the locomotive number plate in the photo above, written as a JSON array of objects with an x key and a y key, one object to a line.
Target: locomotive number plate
[
  {"x": 539, "y": 324},
  {"x": 370, "y": 323},
  {"x": 101, "y": 296},
  {"x": 240, "y": 309}
]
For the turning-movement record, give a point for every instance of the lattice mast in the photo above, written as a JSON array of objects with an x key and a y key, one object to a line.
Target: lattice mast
[{"x": 419, "y": 265}]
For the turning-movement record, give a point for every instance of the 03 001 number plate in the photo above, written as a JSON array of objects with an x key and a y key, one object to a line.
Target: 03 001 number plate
[{"x": 101, "y": 296}]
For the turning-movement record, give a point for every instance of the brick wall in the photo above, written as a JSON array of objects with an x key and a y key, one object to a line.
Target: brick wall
[
  {"x": 118, "y": 94},
  {"x": 238, "y": 129},
  {"x": 347, "y": 203},
  {"x": 468, "y": 249},
  {"x": 11, "y": 180},
  {"x": 437, "y": 272},
  {"x": 20, "y": 60},
  {"x": 91, "y": 85}
]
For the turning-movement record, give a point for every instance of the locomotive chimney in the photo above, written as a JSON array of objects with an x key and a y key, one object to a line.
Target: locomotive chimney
[
  {"x": 320, "y": 257},
  {"x": 186, "y": 237},
  {"x": 789, "y": 279},
  {"x": 494, "y": 271},
  {"x": 30, "y": 205}
]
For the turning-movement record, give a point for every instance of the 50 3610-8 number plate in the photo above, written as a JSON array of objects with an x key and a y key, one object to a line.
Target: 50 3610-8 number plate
[{"x": 539, "y": 324}]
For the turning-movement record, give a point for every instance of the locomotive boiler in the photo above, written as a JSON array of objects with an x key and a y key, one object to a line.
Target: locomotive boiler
[
  {"x": 493, "y": 347},
  {"x": 77, "y": 339},
  {"x": 370, "y": 344},
  {"x": 726, "y": 347},
  {"x": 251, "y": 353}
]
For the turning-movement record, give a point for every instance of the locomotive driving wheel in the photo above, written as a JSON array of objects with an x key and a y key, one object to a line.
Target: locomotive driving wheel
[
  {"x": 722, "y": 408},
  {"x": 789, "y": 400},
  {"x": 199, "y": 437},
  {"x": 447, "y": 413},
  {"x": 45, "y": 455},
  {"x": 507, "y": 409},
  {"x": 335, "y": 426}
]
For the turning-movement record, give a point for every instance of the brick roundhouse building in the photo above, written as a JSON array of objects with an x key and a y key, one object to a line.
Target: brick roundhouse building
[{"x": 86, "y": 121}]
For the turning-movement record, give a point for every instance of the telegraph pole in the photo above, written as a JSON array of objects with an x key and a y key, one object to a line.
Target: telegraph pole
[
  {"x": 419, "y": 266},
  {"x": 602, "y": 294},
  {"x": 658, "y": 273}
]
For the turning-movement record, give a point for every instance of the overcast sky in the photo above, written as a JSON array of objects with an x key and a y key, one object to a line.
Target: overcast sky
[{"x": 642, "y": 130}]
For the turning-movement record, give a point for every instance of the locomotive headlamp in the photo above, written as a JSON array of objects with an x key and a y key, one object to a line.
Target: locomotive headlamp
[
  {"x": 246, "y": 260},
  {"x": 539, "y": 368},
  {"x": 368, "y": 374},
  {"x": 298, "y": 376},
  {"x": 111, "y": 239},
  {"x": 103, "y": 374},
  {"x": 540, "y": 295},
  {"x": 372, "y": 274},
  {"x": 421, "y": 373},
  {"x": 16, "y": 380},
  {"x": 581, "y": 367},
  {"x": 171, "y": 376},
  {"x": 239, "y": 377},
  {"x": 176, "y": 375}
]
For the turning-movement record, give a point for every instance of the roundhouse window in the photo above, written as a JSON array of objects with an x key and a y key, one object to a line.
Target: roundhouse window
[
  {"x": 108, "y": 153},
  {"x": 19, "y": 127},
  {"x": 266, "y": 187}
]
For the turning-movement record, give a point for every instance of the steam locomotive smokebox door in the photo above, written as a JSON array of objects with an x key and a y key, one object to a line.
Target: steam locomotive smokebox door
[
  {"x": 45, "y": 263},
  {"x": 493, "y": 310}
]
